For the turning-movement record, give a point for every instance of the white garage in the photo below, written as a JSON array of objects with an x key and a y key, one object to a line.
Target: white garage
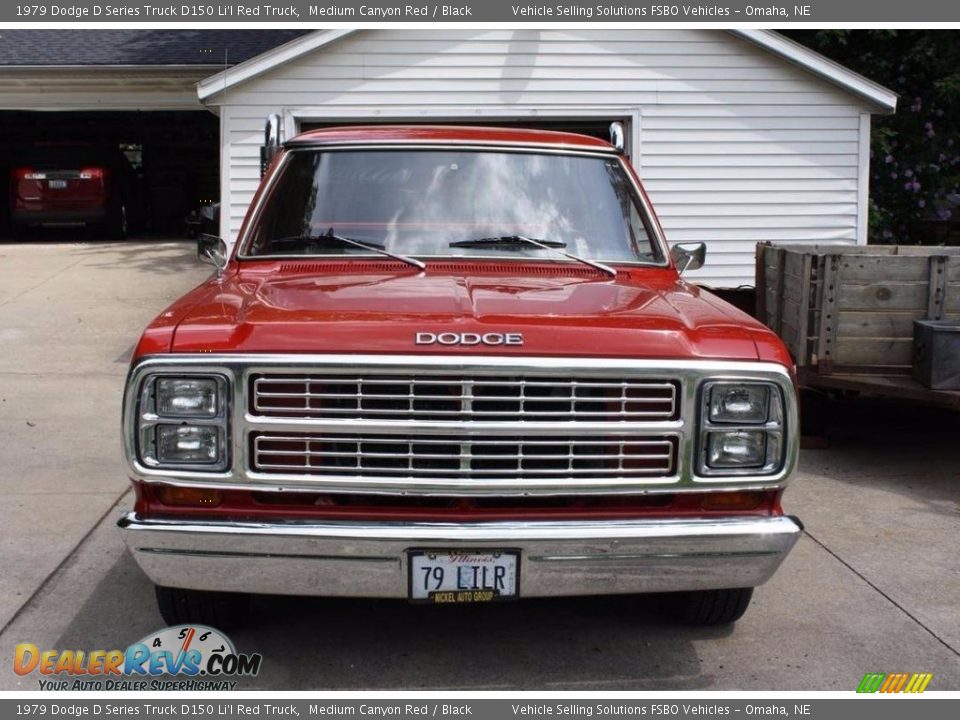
[{"x": 740, "y": 136}]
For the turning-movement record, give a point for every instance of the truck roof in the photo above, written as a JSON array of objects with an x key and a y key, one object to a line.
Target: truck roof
[{"x": 447, "y": 134}]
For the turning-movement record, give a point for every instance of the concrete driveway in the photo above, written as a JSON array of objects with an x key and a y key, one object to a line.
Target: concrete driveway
[
  {"x": 70, "y": 314},
  {"x": 872, "y": 586}
]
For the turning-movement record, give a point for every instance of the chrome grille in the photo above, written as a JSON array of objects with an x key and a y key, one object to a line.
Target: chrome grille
[
  {"x": 504, "y": 399},
  {"x": 493, "y": 457}
]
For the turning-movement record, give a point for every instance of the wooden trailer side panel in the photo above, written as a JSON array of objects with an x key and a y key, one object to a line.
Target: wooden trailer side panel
[{"x": 851, "y": 309}]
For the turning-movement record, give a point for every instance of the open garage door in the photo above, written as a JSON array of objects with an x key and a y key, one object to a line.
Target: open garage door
[{"x": 174, "y": 156}]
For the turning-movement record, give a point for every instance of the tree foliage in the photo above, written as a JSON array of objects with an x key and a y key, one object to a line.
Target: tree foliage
[{"x": 915, "y": 153}]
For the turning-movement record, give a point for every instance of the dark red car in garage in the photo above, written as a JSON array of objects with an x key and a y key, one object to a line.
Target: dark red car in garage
[{"x": 74, "y": 185}]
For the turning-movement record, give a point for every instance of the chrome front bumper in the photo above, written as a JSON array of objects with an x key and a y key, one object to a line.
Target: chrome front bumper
[{"x": 355, "y": 559}]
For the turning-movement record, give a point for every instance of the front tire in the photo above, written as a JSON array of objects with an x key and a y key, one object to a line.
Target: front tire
[
  {"x": 709, "y": 607},
  {"x": 223, "y": 611}
]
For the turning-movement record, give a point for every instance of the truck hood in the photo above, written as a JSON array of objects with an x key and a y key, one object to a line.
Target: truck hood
[{"x": 378, "y": 308}]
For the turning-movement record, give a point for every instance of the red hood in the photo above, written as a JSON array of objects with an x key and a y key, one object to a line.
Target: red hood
[{"x": 378, "y": 307}]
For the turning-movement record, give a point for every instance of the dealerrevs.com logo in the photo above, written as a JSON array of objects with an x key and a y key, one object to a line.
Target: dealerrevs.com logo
[
  {"x": 894, "y": 682},
  {"x": 197, "y": 658}
]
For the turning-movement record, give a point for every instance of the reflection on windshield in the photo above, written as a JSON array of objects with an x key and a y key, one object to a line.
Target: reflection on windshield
[{"x": 417, "y": 202}]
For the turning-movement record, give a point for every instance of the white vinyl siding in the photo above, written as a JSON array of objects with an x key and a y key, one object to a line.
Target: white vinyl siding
[{"x": 736, "y": 145}]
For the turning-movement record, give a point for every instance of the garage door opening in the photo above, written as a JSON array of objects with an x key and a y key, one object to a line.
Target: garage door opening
[{"x": 173, "y": 157}]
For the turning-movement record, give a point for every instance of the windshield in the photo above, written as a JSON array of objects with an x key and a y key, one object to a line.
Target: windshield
[{"x": 431, "y": 203}]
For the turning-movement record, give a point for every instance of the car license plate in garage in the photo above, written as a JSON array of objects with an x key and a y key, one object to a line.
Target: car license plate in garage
[
  {"x": 451, "y": 576},
  {"x": 57, "y": 184}
]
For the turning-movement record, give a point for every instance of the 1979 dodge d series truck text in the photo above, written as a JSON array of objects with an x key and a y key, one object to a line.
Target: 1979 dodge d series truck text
[{"x": 455, "y": 364}]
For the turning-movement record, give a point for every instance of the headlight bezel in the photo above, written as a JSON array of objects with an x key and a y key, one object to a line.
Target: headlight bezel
[
  {"x": 149, "y": 421},
  {"x": 774, "y": 426}
]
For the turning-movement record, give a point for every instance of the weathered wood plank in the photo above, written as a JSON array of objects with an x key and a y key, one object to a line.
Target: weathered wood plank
[
  {"x": 829, "y": 299},
  {"x": 873, "y": 351},
  {"x": 887, "y": 296},
  {"x": 790, "y": 313},
  {"x": 793, "y": 289},
  {"x": 865, "y": 270},
  {"x": 793, "y": 264},
  {"x": 953, "y": 271},
  {"x": 876, "y": 324},
  {"x": 871, "y": 250}
]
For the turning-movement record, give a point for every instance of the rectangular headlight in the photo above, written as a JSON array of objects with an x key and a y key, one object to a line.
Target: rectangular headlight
[
  {"x": 739, "y": 403},
  {"x": 188, "y": 444},
  {"x": 184, "y": 422},
  {"x": 742, "y": 428},
  {"x": 737, "y": 449},
  {"x": 186, "y": 397}
]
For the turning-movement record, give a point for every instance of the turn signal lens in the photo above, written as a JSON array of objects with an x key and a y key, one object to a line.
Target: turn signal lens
[{"x": 172, "y": 495}]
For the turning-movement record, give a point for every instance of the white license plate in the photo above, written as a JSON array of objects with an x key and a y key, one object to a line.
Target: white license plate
[
  {"x": 453, "y": 576},
  {"x": 56, "y": 184}
]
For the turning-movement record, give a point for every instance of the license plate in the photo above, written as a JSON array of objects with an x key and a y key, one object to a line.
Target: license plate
[
  {"x": 56, "y": 184},
  {"x": 463, "y": 576}
]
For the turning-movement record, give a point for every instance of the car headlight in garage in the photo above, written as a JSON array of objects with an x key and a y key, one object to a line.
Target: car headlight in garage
[
  {"x": 183, "y": 422},
  {"x": 741, "y": 429}
]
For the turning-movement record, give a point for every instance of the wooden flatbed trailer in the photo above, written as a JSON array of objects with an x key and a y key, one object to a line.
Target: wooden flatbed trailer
[{"x": 846, "y": 312}]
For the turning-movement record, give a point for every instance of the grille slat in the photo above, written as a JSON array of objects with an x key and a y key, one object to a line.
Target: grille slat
[
  {"x": 513, "y": 399},
  {"x": 489, "y": 458}
]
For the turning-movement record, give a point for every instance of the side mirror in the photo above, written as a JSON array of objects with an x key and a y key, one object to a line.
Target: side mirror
[
  {"x": 688, "y": 256},
  {"x": 617, "y": 138},
  {"x": 213, "y": 251}
]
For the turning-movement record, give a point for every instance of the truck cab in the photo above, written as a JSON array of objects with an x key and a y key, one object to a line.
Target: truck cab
[{"x": 456, "y": 365}]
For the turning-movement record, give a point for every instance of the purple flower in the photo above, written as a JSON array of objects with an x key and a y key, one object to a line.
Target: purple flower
[
  {"x": 944, "y": 214},
  {"x": 908, "y": 173},
  {"x": 921, "y": 204},
  {"x": 888, "y": 159},
  {"x": 894, "y": 176},
  {"x": 942, "y": 157}
]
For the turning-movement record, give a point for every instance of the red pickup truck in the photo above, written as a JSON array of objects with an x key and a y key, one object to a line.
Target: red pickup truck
[{"x": 455, "y": 365}]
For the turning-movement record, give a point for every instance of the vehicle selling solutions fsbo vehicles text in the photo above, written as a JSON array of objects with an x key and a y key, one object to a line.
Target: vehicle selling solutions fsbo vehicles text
[{"x": 614, "y": 10}]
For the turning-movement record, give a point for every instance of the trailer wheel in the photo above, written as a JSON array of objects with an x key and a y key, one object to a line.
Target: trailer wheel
[{"x": 223, "y": 611}]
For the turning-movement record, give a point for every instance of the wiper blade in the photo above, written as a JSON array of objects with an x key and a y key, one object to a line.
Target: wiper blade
[
  {"x": 553, "y": 245},
  {"x": 330, "y": 236},
  {"x": 507, "y": 240}
]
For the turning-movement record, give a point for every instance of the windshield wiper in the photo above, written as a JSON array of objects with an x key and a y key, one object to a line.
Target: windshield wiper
[
  {"x": 553, "y": 245},
  {"x": 331, "y": 237}
]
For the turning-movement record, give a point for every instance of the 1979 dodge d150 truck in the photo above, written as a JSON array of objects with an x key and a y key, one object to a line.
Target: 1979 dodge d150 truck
[{"x": 453, "y": 365}]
